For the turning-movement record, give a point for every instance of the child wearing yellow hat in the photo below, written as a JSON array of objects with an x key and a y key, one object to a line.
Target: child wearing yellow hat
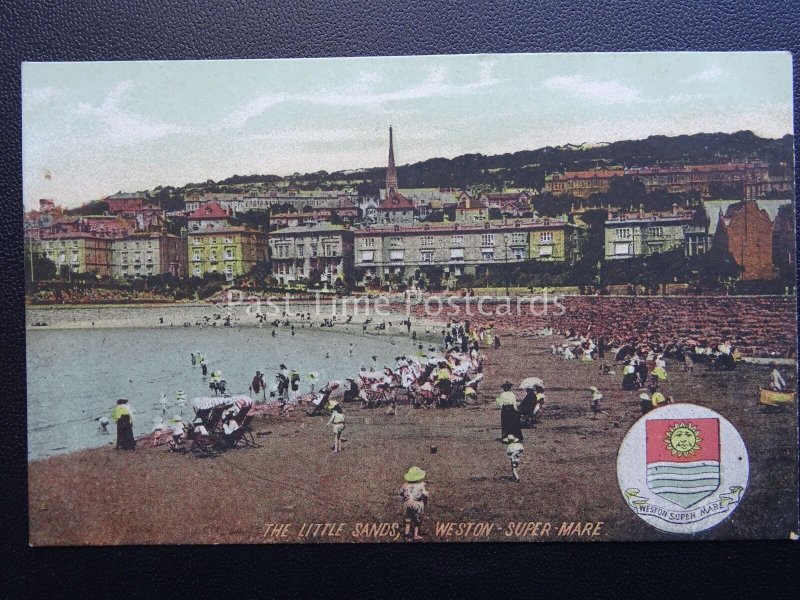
[{"x": 415, "y": 497}]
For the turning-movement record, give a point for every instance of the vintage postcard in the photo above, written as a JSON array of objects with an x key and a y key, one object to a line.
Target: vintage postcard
[{"x": 478, "y": 298}]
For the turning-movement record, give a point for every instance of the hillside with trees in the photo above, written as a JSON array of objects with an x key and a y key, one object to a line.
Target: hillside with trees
[{"x": 523, "y": 169}]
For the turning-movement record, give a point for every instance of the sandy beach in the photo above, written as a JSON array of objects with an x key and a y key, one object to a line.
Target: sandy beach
[{"x": 293, "y": 489}]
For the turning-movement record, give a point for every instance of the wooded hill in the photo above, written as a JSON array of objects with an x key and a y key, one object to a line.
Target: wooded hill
[{"x": 523, "y": 169}]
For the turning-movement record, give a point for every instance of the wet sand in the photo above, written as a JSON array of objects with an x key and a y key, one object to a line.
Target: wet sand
[{"x": 293, "y": 481}]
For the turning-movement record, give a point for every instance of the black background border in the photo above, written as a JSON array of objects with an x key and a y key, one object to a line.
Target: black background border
[{"x": 63, "y": 30}]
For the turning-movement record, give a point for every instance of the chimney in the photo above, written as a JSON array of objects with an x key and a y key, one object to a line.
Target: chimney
[
  {"x": 641, "y": 210},
  {"x": 674, "y": 209}
]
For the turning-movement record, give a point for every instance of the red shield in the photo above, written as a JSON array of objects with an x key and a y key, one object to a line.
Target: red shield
[{"x": 683, "y": 459}]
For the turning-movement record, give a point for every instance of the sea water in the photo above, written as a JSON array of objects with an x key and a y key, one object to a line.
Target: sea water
[{"x": 76, "y": 375}]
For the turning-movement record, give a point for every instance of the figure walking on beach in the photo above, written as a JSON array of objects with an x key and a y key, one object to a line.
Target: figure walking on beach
[
  {"x": 514, "y": 452},
  {"x": 595, "y": 406},
  {"x": 510, "y": 423},
  {"x": 415, "y": 496},
  {"x": 123, "y": 415},
  {"x": 337, "y": 421},
  {"x": 283, "y": 383}
]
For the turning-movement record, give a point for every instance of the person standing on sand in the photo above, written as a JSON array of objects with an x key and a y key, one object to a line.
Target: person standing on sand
[
  {"x": 337, "y": 421},
  {"x": 514, "y": 452},
  {"x": 595, "y": 406},
  {"x": 510, "y": 423},
  {"x": 415, "y": 498},
  {"x": 258, "y": 386},
  {"x": 283, "y": 383},
  {"x": 123, "y": 415}
]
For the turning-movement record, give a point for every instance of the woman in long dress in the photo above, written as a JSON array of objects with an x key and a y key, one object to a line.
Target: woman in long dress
[
  {"x": 124, "y": 417},
  {"x": 510, "y": 424}
]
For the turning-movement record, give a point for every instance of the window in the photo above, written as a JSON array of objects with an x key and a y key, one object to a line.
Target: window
[
  {"x": 227, "y": 240},
  {"x": 367, "y": 255},
  {"x": 426, "y": 256},
  {"x": 518, "y": 253},
  {"x": 299, "y": 250},
  {"x": 395, "y": 242},
  {"x": 487, "y": 239},
  {"x": 195, "y": 241},
  {"x": 426, "y": 240},
  {"x": 545, "y": 251},
  {"x": 458, "y": 240},
  {"x": 546, "y": 237},
  {"x": 622, "y": 249},
  {"x": 655, "y": 232},
  {"x": 197, "y": 271},
  {"x": 397, "y": 255},
  {"x": 487, "y": 254},
  {"x": 329, "y": 250},
  {"x": 228, "y": 254},
  {"x": 517, "y": 237},
  {"x": 369, "y": 242},
  {"x": 624, "y": 233},
  {"x": 457, "y": 254}
]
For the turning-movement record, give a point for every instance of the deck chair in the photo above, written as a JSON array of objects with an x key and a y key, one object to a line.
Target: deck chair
[
  {"x": 319, "y": 407},
  {"x": 374, "y": 398},
  {"x": 215, "y": 418},
  {"x": 240, "y": 416},
  {"x": 243, "y": 436},
  {"x": 204, "y": 445}
]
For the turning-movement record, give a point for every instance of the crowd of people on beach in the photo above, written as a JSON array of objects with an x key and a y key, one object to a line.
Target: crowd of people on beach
[
  {"x": 447, "y": 375},
  {"x": 763, "y": 327}
]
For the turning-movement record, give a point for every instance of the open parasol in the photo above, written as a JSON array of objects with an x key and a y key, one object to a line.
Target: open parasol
[{"x": 530, "y": 383}]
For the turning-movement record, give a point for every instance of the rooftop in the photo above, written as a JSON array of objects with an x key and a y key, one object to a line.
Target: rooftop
[
  {"x": 228, "y": 229},
  {"x": 396, "y": 201},
  {"x": 319, "y": 228},
  {"x": 490, "y": 226},
  {"x": 212, "y": 210}
]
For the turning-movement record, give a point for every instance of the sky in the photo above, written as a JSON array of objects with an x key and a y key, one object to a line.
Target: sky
[{"x": 94, "y": 128}]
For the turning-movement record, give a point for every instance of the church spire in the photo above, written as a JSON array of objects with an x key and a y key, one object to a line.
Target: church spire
[{"x": 391, "y": 172}]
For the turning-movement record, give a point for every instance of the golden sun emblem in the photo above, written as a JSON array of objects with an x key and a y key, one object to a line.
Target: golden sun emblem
[{"x": 683, "y": 439}]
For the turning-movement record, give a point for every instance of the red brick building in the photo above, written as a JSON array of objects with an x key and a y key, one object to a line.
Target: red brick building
[
  {"x": 746, "y": 231},
  {"x": 783, "y": 241},
  {"x": 125, "y": 204}
]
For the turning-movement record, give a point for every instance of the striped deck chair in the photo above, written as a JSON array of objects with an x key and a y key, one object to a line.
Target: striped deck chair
[{"x": 243, "y": 436}]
